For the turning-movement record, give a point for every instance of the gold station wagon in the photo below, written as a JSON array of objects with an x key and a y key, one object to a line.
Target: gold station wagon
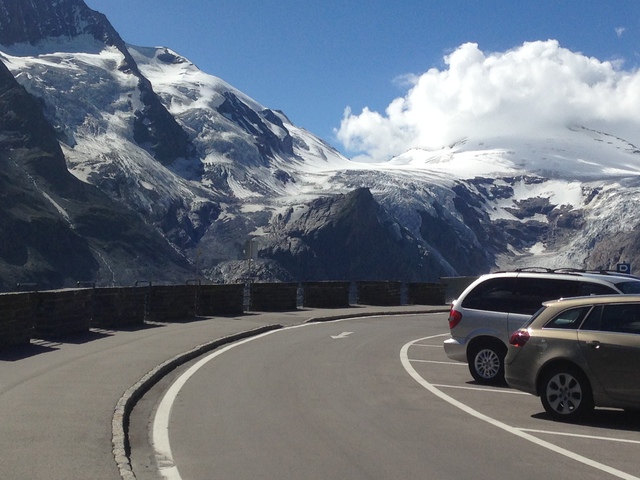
[{"x": 579, "y": 353}]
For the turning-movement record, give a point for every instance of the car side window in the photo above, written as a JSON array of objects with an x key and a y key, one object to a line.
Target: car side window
[
  {"x": 616, "y": 318},
  {"x": 594, "y": 320},
  {"x": 587, "y": 289},
  {"x": 629, "y": 287},
  {"x": 530, "y": 293},
  {"x": 495, "y": 294},
  {"x": 569, "y": 319}
]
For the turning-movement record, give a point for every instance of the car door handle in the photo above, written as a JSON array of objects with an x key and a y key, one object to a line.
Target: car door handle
[{"x": 594, "y": 344}]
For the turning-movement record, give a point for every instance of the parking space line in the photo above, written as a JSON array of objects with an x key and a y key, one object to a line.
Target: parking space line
[
  {"x": 441, "y": 363},
  {"x": 482, "y": 389},
  {"x": 406, "y": 363},
  {"x": 577, "y": 435}
]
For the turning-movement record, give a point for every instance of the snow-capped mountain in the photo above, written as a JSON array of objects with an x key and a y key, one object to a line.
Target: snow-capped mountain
[
  {"x": 56, "y": 230},
  {"x": 208, "y": 167}
]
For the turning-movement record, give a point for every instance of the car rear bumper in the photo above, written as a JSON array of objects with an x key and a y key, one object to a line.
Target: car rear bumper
[
  {"x": 520, "y": 379},
  {"x": 456, "y": 349}
]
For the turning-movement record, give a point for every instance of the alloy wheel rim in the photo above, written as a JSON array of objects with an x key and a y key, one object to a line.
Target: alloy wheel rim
[
  {"x": 564, "y": 393},
  {"x": 487, "y": 363}
]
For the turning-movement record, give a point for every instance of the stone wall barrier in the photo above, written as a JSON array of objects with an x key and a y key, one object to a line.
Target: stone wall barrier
[
  {"x": 325, "y": 294},
  {"x": 273, "y": 297},
  {"x": 425, "y": 294},
  {"x": 119, "y": 306},
  {"x": 59, "y": 313},
  {"x": 379, "y": 293},
  {"x": 454, "y": 286},
  {"x": 172, "y": 303},
  {"x": 223, "y": 299},
  {"x": 16, "y": 319}
]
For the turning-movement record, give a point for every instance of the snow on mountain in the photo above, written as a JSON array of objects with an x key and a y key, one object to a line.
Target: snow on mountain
[
  {"x": 573, "y": 153},
  {"x": 91, "y": 103},
  {"x": 590, "y": 173},
  {"x": 94, "y": 104},
  {"x": 244, "y": 170},
  {"x": 202, "y": 103},
  {"x": 56, "y": 230}
]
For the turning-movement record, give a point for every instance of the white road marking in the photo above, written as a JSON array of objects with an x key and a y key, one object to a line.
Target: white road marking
[
  {"x": 169, "y": 471},
  {"x": 440, "y": 363},
  {"x": 481, "y": 389},
  {"x": 342, "y": 335},
  {"x": 404, "y": 358},
  {"x": 160, "y": 429},
  {"x": 577, "y": 435}
]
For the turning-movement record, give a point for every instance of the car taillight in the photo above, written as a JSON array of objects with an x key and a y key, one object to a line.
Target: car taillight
[
  {"x": 519, "y": 338},
  {"x": 454, "y": 318}
]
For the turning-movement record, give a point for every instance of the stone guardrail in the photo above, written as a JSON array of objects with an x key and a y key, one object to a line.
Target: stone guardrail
[{"x": 58, "y": 313}]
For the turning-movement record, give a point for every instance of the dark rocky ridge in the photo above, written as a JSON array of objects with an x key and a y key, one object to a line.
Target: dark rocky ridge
[
  {"x": 349, "y": 237},
  {"x": 37, "y": 21},
  {"x": 54, "y": 229}
]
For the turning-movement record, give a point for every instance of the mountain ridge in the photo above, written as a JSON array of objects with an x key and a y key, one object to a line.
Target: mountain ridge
[
  {"x": 54, "y": 229},
  {"x": 242, "y": 170}
]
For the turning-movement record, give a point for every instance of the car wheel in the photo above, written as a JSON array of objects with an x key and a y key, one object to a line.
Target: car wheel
[
  {"x": 565, "y": 393},
  {"x": 486, "y": 363}
]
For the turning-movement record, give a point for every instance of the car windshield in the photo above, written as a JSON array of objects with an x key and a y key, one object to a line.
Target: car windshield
[{"x": 629, "y": 287}]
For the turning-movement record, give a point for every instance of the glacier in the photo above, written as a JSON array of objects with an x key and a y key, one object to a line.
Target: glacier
[{"x": 550, "y": 199}]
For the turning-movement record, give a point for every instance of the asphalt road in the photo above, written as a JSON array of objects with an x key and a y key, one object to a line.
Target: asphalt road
[
  {"x": 57, "y": 398},
  {"x": 368, "y": 398}
]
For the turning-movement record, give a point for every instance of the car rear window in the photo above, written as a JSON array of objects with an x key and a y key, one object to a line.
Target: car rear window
[
  {"x": 495, "y": 294},
  {"x": 533, "y": 317},
  {"x": 629, "y": 287}
]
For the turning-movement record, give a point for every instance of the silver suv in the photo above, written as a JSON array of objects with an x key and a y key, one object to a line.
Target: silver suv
[{"x": 494, "y": 306}]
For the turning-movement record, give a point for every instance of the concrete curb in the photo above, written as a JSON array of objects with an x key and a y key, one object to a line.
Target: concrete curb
[
  {"x": 375, "y": 314},
  {"x": 124, "y": 407},
  {"x": 120, "y": 421}
]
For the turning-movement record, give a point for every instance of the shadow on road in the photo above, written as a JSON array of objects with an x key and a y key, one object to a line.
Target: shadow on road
[
  {"x": 603, "y": 418},
  {"x": 20, "y": 352}
]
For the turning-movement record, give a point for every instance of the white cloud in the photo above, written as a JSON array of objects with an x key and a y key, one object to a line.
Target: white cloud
[
  {"x": 532, "y": 88},
  {"x": 620, "y": 31}
]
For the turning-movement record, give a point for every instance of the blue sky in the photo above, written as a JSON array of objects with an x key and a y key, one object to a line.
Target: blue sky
[{"x": 313, "y": 59}]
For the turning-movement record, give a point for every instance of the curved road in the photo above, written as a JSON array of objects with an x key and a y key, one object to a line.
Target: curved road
[
  {"x": 366, "y": 398},
  {"x": 58, "y": 398}
]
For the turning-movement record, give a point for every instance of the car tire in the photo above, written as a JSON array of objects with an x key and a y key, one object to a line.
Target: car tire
[
  {"x": 486, "y": 362},
  {"x": 565, "y": 393}
]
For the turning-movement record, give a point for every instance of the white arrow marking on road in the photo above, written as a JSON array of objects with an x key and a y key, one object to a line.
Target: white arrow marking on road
[{"x": 342, "y": 335}]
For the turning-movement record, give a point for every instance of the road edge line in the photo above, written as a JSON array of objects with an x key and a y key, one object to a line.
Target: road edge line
[{"x": 124, "y": 407}]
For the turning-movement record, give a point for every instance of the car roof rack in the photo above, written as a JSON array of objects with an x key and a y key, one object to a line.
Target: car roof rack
[
  {"x": 601, "y": 271},
  {"x": 569, "y": 271},
  {"x": 526, "y": 269},
  {"x": 535, "y": 269}
]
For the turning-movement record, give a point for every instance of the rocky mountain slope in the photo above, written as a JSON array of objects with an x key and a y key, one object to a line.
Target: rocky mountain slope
[
  {"x": 56, "y": 230},
  {"x": 197, "y": 168}
]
